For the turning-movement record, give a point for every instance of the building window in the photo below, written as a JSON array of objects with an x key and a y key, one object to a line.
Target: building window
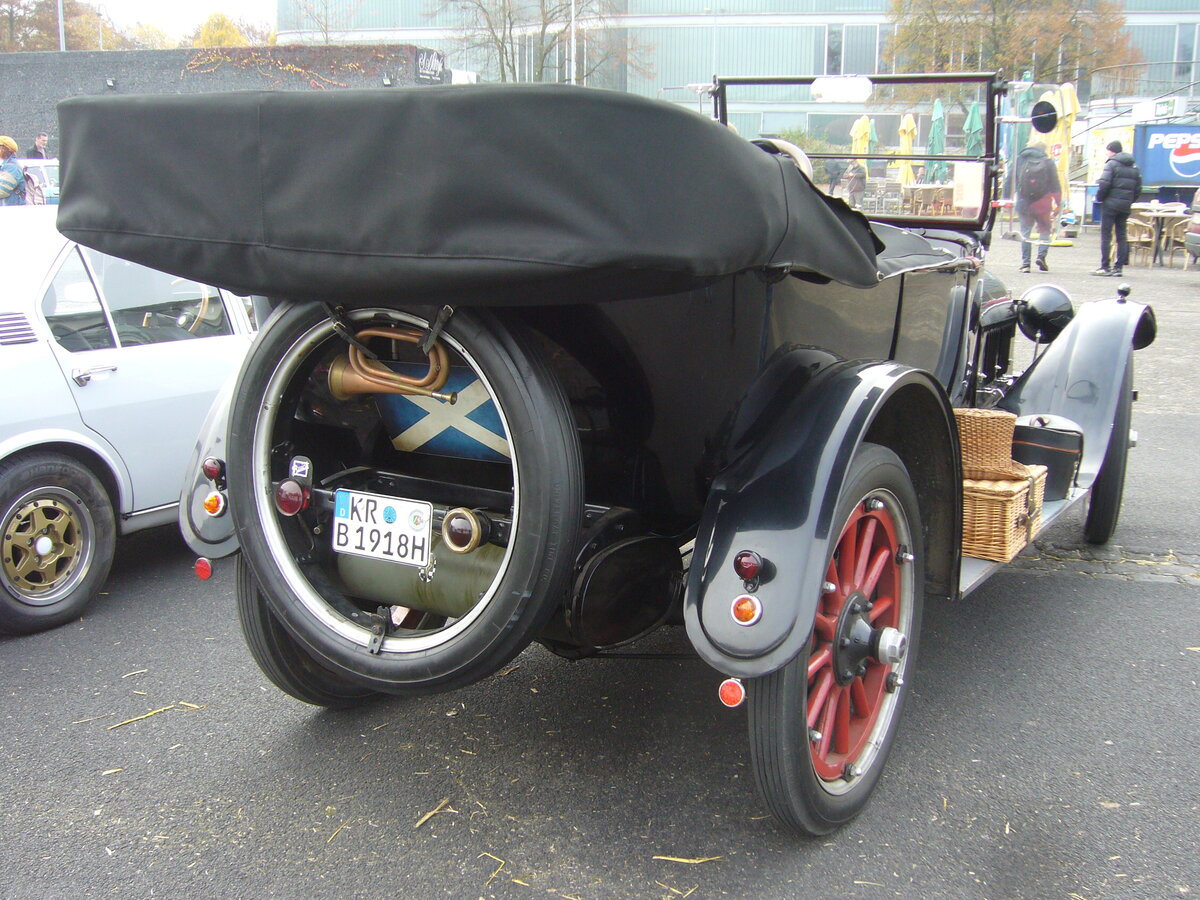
[
  {"x": 859, "y": 49},
  {"x": 833, "y": 50},
  {"x": 885, "y": 52}
]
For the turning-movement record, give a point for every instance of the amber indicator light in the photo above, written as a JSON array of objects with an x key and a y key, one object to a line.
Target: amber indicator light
[
  {"x": 746, "y": 610},
  {"x": 214, "y": 503}
]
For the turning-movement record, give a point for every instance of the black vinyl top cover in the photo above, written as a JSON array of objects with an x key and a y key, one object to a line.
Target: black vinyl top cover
[{"x": 477, "y": 194}]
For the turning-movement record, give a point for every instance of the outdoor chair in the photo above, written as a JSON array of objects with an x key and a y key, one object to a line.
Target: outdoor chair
[
  {"x": 1140, "y": 235},
  {"x": 1175, "y": 242}
]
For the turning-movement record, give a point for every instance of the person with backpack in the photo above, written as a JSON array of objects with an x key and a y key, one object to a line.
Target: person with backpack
[
  {"x": 12, "y": 176},
  {"x": 1039, "y": 195},
  {"x": 1119, "y": 187}
]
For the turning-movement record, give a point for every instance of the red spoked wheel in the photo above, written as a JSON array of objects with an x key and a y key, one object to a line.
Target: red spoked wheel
[
  {"x": 821, "y": 726},
  {"x": 848, "y": 682}
]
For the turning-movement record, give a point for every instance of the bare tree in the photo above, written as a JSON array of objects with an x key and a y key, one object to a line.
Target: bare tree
[
  {"x": 331, "y": 19},
  {"x": 533, "y": 40},
  {"x": 1053, "y": 40}
]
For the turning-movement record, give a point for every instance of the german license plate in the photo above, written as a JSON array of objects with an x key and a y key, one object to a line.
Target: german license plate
[{"x": 381, "y": 527}]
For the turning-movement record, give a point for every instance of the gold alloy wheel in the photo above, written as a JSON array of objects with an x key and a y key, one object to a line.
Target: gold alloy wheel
[{"x": 42, "y": 547}]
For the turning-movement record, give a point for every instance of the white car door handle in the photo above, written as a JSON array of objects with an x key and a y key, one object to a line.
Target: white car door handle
[{"x": 83, "y": 376}]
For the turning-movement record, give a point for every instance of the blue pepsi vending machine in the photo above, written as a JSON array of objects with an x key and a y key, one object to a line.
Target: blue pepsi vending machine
[{"x": 1169, "y": 157}]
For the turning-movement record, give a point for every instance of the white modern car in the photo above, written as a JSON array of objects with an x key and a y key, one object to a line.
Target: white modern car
[{"x": 108, "y": 370}]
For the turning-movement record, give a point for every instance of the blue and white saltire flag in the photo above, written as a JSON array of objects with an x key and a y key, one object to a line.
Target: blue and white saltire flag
[{"x": 468, "y": 429}]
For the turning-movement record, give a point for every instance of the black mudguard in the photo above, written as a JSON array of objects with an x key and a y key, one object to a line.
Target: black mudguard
[
  {"x": 1079, "y": 374},
  {"x": 792, "y": 441}
]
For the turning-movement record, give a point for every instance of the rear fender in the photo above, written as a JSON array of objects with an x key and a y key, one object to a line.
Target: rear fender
[
  {"x": 1079, "y": 374},
  {"x": 793, "y": 439},
  {"x": 206, "y": 535},
  {"x": 213, "y": 536}
]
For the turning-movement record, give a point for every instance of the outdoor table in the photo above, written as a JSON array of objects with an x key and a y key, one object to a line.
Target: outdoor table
[
  {"x": 1160, "y": 216},
  {"x": 916, "y": 196}
]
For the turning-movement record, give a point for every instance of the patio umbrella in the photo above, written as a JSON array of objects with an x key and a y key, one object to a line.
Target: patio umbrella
[
  {"x": 908, "y": 136},
  {"x": 936, "y": 171},
  {"x": 860, "y": 136},
  {"x": 973, "y": 131}
]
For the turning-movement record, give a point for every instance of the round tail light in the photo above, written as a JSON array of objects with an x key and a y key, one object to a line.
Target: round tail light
[
  {"x": 213, "y": 468},
  {"x": 290, "y": 497},
  {"x": 748, "y": 565},
  {"x": 463, "y": 529}
]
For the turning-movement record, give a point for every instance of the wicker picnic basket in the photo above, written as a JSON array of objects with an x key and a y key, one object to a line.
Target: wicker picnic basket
[
  {"x": 1001, "y": 515},
  {"x": 1002, "y": 499}
]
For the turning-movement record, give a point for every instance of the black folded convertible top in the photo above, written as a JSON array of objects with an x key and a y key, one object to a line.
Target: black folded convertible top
[{"x": 483, "y": 194}]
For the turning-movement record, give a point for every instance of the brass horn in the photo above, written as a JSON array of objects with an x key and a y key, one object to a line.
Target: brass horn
[{"x": 355, "y": 374}]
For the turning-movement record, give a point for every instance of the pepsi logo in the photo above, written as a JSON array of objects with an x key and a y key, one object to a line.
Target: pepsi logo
[{"x": 1185, "y": 160}]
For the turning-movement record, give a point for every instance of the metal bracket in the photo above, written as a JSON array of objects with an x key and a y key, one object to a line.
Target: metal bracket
[
  {"x": 379, "y": 630},
  {"x": 435, "y": 330},
  {"x": 342, "y": 327}
]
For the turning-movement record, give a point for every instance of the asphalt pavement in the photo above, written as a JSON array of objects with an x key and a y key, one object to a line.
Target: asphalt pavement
[{"x": 1048, "y": 750}]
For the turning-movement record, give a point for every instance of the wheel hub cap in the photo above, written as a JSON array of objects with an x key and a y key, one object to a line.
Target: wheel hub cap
[{"x": 41, "y": 546}]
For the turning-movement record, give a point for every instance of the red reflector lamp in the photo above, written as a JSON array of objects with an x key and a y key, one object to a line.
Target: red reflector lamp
[
  {"x": 290, "y": 497},
  {"x": 463, "y": 530},
  {"x": 203, "y": 569},
  {"x": 732, "y": 692},
  {"x": 748, "y": 565},
  {"x": 746, "y": 610},
  {"x": 214, "y": 503},
  {"x": 213, "y": 468}
]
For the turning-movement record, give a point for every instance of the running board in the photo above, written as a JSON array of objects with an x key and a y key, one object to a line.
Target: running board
[{"x": 975, "y": 572}]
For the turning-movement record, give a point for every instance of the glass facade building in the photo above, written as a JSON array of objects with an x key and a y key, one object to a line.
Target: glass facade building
[{"x": 681, "y": 43}]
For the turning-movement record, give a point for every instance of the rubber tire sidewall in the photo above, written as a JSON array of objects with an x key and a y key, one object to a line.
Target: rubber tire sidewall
[
  {"x": 1104, "y": 501},
  {"x": 777, "y": 703},
  {"x": 551, "y": 506},
  {"x": 46, "y": 469},
  {"x": 282, "y": 659}
]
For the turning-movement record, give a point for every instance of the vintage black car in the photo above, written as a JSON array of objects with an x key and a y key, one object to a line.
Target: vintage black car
[{"x": 572, "y": 365}]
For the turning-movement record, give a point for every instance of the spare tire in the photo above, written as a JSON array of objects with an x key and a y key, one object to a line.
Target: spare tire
[{"x": 375, "y": 620}]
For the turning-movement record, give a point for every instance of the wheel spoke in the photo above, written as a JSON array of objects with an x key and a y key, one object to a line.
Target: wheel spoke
[
  {"x": 821, "y": 659},
  {"x": 847, "y": 556},
  {"x": 40, "y": 519},
  {"x": 23, "y": 565},
  {"x": 862, "y": 703},
  {"x": 832, "y": 601},
  {"x": 877, "y": 566},
  {"x": 816, "y": 700},
  {"x": 828, "y": 716},
  {"x": 866, "y": 542},
  {"x": 882, "y": 606},
  {"x": 824, "y": 626},
  {"x": 842, "y": 732}
]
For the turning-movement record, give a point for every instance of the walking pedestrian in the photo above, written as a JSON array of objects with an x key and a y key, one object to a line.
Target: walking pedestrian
[
  {"x": 1039, "y": 196},
  {"x": 1120, "y": 185}
]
